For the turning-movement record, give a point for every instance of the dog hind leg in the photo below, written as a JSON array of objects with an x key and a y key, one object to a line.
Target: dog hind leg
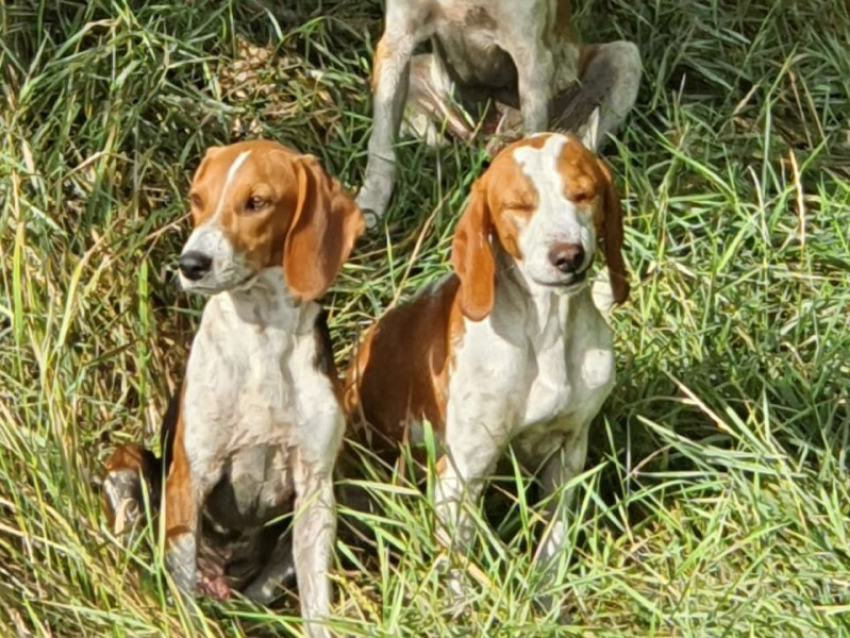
[{"x": 610, "y": 80}]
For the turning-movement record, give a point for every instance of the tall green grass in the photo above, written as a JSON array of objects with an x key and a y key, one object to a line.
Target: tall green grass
[{"x": 716, "y": 498}]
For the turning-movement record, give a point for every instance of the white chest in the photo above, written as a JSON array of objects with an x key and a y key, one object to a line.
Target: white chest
[
  {"x": 255, "y": 406},
  {"x": 572, "y": 380},
  {"x": 239, "y": 390},
  {"x": 535, "y": 384}
]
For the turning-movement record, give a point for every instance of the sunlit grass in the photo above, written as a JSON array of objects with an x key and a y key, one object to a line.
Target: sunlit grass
[{"x": 716, "y": 497}]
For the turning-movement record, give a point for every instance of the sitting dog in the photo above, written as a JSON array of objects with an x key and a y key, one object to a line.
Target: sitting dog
[
  {"x": 520, "y": 55},
  {"x": 258, "y": 424},
  {"x": 509, "y": 347}
]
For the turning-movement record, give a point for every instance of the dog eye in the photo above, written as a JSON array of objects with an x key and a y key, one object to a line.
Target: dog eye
[
  {"x": 254, "y": 204},
  {"x": 583, "y": 197},
  {"x": 196, "y": 201}
]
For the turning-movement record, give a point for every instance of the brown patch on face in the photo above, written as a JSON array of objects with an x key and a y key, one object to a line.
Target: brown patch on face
[
  {"x": 402, "y": 368},
  {"x": 507, "y": 196},
  {"x": 588, "y": 183},
  {"x": 580, "y": 171},
  {"x": 504, "y": 200},
  {"x": 255, "y": 205}
]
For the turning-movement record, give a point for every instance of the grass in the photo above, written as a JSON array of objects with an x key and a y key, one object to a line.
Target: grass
[{"x": 716, "y": 500}]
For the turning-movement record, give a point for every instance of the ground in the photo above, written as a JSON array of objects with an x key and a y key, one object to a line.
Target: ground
[{"x": 716, "y": 498}]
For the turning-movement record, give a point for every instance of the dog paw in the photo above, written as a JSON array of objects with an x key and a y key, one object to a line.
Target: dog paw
[
  {"x": 121, "y": 499},
  {"x": 373, "y": 202},
  {"x": 214, "y": 587}
]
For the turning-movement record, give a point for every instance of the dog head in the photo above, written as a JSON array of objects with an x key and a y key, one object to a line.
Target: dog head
[
  {"x": 547, "y": 201},
  {"x": 257, "y": 205}
]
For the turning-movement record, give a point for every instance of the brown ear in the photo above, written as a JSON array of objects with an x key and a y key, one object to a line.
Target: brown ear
[
  {"x": 324, "y": 228},
  {"x": 609, "y": 228},
  {"x": 472, "y": 257}
]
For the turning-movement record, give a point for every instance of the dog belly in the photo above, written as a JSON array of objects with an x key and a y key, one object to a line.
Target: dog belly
[
  {"x": 256, "y": 486},
  {"x": 474, "y": 60}
]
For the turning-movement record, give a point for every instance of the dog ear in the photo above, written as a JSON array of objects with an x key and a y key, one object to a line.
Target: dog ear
[
  {"x": 324, "y": 228},
  {"x": 589, "y": 132},
  {"x": 609, "y": 229},
  {"x": 472, "y": 257}
]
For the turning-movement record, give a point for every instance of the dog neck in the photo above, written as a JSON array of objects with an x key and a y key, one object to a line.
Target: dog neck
[
  {"x": 267, "y": 302},
  {"x": 543, "y": 310}
]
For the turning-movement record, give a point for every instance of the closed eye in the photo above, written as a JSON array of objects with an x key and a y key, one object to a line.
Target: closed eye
[
  {"x": 583, "y": 197},
  {"x": 522, "y": 207},
  {"x": 196, "y": 201}
]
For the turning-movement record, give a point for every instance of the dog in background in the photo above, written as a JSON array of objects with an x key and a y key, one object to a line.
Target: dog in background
[
  {"x": 522, "y": 56},
  {"x": 255, "y": 431}
]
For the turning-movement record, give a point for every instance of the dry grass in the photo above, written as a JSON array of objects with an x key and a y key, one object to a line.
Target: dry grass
[{"x": 716, "y": 497}]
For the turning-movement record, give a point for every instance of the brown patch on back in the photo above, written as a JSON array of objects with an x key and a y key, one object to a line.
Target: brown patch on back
[{"x": 402, "y": 368}]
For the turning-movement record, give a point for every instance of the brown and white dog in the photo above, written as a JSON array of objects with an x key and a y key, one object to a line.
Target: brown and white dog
[
  {"x": 258, "y": 425},
  {"x": 521, "y": 55},
  {"x": 510, "y": 347}
]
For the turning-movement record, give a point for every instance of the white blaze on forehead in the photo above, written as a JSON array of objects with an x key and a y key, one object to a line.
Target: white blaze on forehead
[
  {"x": 210, "y": 239},
  {"x": 231, "y": 175},
  {"x": 540, "y": 165}
]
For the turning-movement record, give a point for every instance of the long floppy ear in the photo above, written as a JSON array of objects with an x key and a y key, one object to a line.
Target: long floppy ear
[
  {"x": 324, "y": 228},
  {"x": 472, "y": 257},
  {"x": 609, "y": 228}
]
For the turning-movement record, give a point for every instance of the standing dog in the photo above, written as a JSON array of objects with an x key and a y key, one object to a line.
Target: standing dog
[
  {"x": 258, "y": 423},
  {"x": 510, "y": 347},
  {"x": 521, "y": 55}
]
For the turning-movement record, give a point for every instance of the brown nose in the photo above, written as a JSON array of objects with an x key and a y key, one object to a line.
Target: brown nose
[{"x": 567, "y": 258}]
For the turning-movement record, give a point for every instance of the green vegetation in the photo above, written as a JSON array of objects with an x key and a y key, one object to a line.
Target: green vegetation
[{"x": 716, "y": 499}]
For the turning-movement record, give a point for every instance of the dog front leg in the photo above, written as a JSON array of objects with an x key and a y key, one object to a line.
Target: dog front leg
[
  {"x": 535, "y": 65},
  {"x": 459, "y": 483},
  {"x": 314, "y": 532},
  {"x": 182, "y": 523},
  {"x": 564, "y": 465}
]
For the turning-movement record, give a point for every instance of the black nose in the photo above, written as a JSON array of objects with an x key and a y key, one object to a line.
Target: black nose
[
  {"x": 568, "y": 258},
  {"x": 194, "y": 265}
]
